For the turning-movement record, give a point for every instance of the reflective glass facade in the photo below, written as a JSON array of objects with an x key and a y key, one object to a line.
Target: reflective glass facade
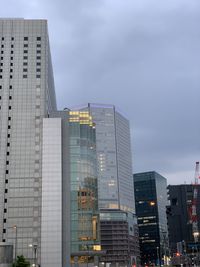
[
  {"x": 115, "y": 183},
  {"x": 151, "y": 202},
  {"x": 83, "y": 185}
]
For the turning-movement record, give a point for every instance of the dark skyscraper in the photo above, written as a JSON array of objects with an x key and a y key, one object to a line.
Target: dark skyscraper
[
  {"x": 151, "y": 201},
  {"x": 179, "y": 219}
]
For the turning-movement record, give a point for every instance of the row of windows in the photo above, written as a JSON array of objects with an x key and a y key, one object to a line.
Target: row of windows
[
  {"x": 10, "y": 87},
  {"x": 25, "y": 38},
  {"x": 25, "y": 51},
  {"x": 25, "y": 45},
  {"x": 25, "y": 57},
  {"x": 26, "y": 70},
  {"x": 24, "y": 76}
]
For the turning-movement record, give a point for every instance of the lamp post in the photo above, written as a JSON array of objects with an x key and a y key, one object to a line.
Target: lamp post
[
  {"x": 158, "y": 255},
  {"x": 15, "y": 227},
  {"x": 87, "y": 254},
  {"x": 35, "y": 254},
  {"x": 196, "y": 236},
  {"x": 34, "y": 247},
  {"x": 164, "y": 233}
]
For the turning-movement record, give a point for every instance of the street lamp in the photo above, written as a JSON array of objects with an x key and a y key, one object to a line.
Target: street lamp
[
  {"x": 34, "y": 246},
  {"x": 158, "y": 255},
  {"x": 15, "y": 227},
  {"x": 196, "y": 236}
]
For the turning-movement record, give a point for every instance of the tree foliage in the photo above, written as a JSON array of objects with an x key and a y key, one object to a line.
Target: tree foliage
[{"x": 21, "y": 262}]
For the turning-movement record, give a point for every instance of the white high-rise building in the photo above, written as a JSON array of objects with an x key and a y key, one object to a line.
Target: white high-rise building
[{"x": 26, "y": 97}]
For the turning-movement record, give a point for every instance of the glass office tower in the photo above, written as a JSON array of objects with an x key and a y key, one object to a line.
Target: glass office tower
[
  {"x": 151, "y": 202},
  {"x": 115, "y": 183},
  {"x": 70, "y": 216},
  {"x": 83, "y": 184}
]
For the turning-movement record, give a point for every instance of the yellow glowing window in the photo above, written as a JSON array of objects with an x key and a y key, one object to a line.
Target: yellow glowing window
[{"x": 97, "y": 247}]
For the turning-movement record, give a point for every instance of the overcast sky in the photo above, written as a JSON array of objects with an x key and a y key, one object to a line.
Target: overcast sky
[{"x": 142, "y": 56}]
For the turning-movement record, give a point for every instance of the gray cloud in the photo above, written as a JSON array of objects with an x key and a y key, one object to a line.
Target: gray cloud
[{"x": 144, "y": 57}]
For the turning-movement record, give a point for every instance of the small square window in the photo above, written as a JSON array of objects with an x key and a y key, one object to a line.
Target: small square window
[
  {"x": 38, "y": 70},
  {"x": 1, "y": 70},
  {"x": 10, "y": 76},
  {"x": 8, "y": 144},
  {"x": 25, "y": 57},
  {"x": 38, "y": 51},
  {"x": 5, "y": 201},
  {"x": 10, "y": 97},
  {"x": 0, "y": 76},
  {"x": 8, "y": 135},
  {"x": 0, "y": 86},
  {"x": 6, "y": 181},
  {"x": 2, "y": 38},
  {"x": 6, "y": 190},
  {"x": 25, "y": 51},
  {"x": 7, "y": 162},
  {"x": 38, "y": 45},
  {"x": 25, "y": 63},
  {"x": 38, "y": 57},
  {"x": 4, "y": 230},
  {"x": 39, "y": 38},
  {"x": 10, "y": 87},
  {"x": 25, "y": 45},
  {"x": 1, "y": 58},
  {"x": 8, "y": 153},
  {"x": 0, "y": 96},
  {"x": 10, "y": 107},
  {"x": 25, "y": 76},
  {"x": 5, "y": 210},
  {"x": 12, "y": 46},
  {"x": 9, "y": 118},
  {"x": 9, "y": 127},
  {"x": 25, "y": 38},
  {"x": 3, "y": 240},
  {"x": 11, "y": 70},
  {"x": 38, "y": 76},
  {"x": 38, "y": 63},
  {"x": 11, "y": 63},
  {"x": 12, "y": 38},
  {"x": 11, "y": 58},
  {"x": 1, "y": 63},
  {"x": 1, "y": 52},
  {"x": 12, "y": 52},
  {"x": 25, "y": 70},
  {"x": 2, "y": 46}
]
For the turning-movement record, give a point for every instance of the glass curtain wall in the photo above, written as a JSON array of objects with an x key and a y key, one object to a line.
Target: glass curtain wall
[{"x": 83, "y": 175}]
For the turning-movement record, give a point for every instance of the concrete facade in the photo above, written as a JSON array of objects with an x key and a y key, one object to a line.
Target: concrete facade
[
  {"x": 51, "y": 230},
  {"x": 26, "y": 97}
]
